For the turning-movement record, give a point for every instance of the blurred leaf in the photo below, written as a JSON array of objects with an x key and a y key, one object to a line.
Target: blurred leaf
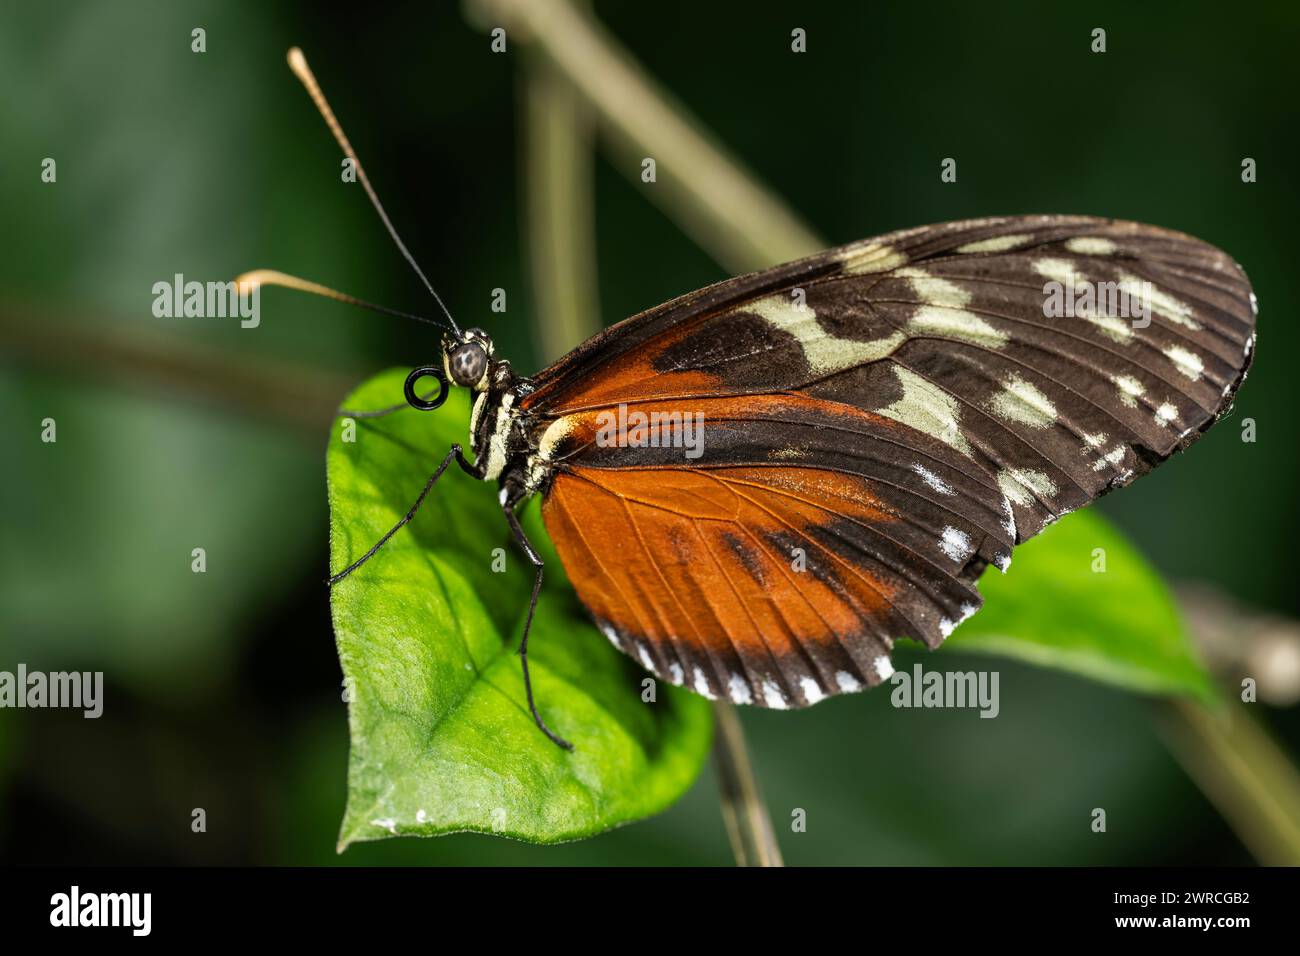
[
  {"x": 442, "y": 739},
  {"x": 1119, "y": 626},
  {"x": 95, "y": 561}
]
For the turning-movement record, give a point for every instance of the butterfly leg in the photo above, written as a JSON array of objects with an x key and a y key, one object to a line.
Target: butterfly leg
[
  {"x": 522, "y": 539},
  {"x": 454, "y": 453}
]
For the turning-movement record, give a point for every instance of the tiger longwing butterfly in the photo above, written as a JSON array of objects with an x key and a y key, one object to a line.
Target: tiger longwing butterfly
[{"x": 758, "y": 488}]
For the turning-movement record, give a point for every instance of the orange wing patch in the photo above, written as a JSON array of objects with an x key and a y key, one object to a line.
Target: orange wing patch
[{"x": 736, "y": 581}]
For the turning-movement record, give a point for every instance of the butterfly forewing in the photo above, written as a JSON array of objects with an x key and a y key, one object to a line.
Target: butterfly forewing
[{"x": 844, "y": 443}]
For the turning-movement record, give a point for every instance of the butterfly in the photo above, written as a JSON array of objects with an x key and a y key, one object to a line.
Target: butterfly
[{"x": 758, "y": 488}]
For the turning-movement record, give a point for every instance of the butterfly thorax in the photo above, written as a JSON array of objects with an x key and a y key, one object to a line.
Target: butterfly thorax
[{"x": 500, "y": 434}]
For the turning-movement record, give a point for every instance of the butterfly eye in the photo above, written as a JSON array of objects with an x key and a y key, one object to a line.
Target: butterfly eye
[{"x": 467, "y": 363}]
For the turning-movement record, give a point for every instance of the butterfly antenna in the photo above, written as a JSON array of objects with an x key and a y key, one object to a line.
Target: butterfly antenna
[
  {"x": 298, "y": 63},
  {"x": 260, "y": 277}
]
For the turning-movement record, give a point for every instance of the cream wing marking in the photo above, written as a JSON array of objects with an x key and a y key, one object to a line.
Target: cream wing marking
[{"x": 824, "y": 353}]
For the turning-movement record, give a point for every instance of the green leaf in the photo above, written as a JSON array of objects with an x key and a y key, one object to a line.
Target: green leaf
[
  {"x": 1119, "y": 625},
  {"x": 442, "y": 740}
]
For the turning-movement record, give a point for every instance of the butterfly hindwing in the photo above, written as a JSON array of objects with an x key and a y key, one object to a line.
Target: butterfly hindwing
[
  {"x": 894, "y": 414},
  {"x": 755, "y": 575}
]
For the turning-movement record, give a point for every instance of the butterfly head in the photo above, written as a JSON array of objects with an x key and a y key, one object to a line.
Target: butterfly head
[{"x": 467, "y": 362}]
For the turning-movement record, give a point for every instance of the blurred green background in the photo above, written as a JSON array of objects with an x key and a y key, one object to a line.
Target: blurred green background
[{"x": 223, "y": 689}]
